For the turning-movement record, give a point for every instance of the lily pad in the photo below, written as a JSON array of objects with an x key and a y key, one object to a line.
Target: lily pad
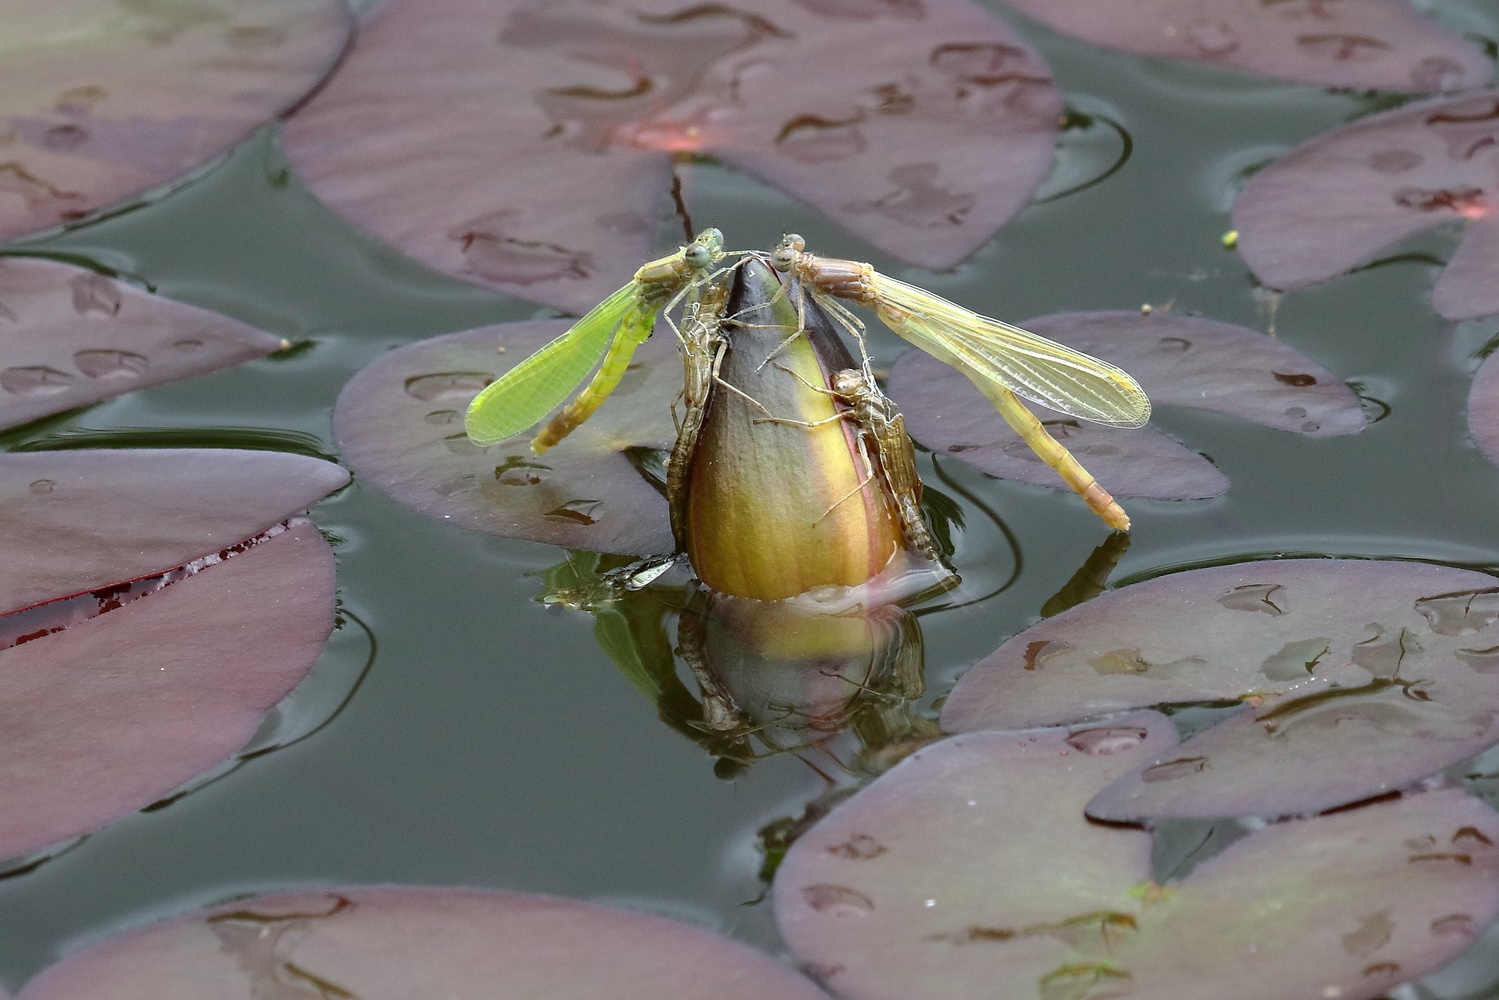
[
  {"x": 526, "y": 145},
  {"x": 1335, "y": 202},
  {"x": 395, "y": 943},
  {"x": 1366, "y": 45},
  {"x": 102, "y": 100},
  {"x": 968, "y": 870},
  {"x": 1180, "y": 361},
  {"x": 76, "y": 521},
  {"x": 70, "y": 337},
  {"x": 108, "y": 715},
  {"x": 399, "y": 424},
  {"x": 1483, "y": 409},
  {"x": 1358, "y": 676}
]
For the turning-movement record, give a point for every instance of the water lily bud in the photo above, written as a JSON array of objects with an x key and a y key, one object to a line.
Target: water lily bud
[{"x": 779, "y": 499}]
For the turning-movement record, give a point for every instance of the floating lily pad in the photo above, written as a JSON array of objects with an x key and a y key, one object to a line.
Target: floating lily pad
[
  {"x": 1179, "y": 360},
  {"x": 396, "y": 943},
  {"x": 76, "y": 521},
  {"x": 101, "y": 100},
  {"x": 399, "y": 424},
  {"x": 1366, "y": 45},
  {"x": 1359, "y": 677},
  {"x": 1335, "y": 202},
  {"x": 106, "y": 716},
  {"x": 526, "y": 145},
  {"x": 70, "y": 337},
  {"x": 1483, "y": 409},
  {"x": 968, "y": 870}
]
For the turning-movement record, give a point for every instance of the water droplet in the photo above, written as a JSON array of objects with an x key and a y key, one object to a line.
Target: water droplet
[
  {"x": 95, "y": 293},
  {"x": 585, "y": 512},
  {"x": 1395, "y": 161},
  {"x": 254, "y": 37},
  {"x": 1468, "y": 127},
  {"x": 1295, "y": 412},
  {"x": 447, "y": 385},
  {"x": 61, "y": 138},
  {"x": 859, "y": 847},
  {"x": 1455, "y": 925},
  {"x": 1297, "y": 379},
  {"x": 37, "y": 380},
  {"x": 1382, "y": 653},
  {"x": 517, "y": 471},
  {"x": 1172, "y": 770},
  {"x": 442, "y": 417},
  {"x": 459, "y": 444},
  {"x": 1099, "y": 450},
  {"x": 961, "y": 447},
  {"x": 1176, "y": 344},
  {"x": 1106, "y": 740},
  {"x": 837, "y": 900},
  {"x": 497, "y": 257},
  {"x": 1383, "y": 970},
  {"x": 1373, "y": 933},
  {"x": 42, "y": 487},
  {"x": 1041, "y": 650},
  {"x": 977, "y": 60},
  {"x": 1438, "y": 73},
  {"x": 1459, "y": 201},
  {"x": 459, "y": 484},
  {"x": 1296, "y": 660},
  {"x": 187, "y": 345},
  {"x": 1337, "y": 47},
  {"x": 1269, "y": 598},
  {"x": 79, "y": 100},
  {"x": 1211, "y": 38},
  {"x": 865, "y": 10},
  {"x": 1448, "y": 614},
  {"x": 813, "y": 139},
  {"x": 1311, "y": 426},
  {"x": 110, "y": 364},
  {"x": 919, "y": 200},
  {"x": 1471, "y": 835},
  {"x": 1130, "y": 661}
]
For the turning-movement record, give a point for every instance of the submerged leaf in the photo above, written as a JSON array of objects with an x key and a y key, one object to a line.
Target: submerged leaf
[
  {"x": 1362, "y": 45},
  {"x": 76, "y": 521},
  {"x": 101, "y": 100},
  {"x": 1359, "y": 677},
  {"x": 108, "y": 715},
  {"x": 1335, "y": 202},
  {"x": 969, "y": 871},
  {"x": 525, "y": 145},
  {"x": 399, "y": 424},
  {"x": 397, "y": 943},
  {"x": 70, "y": 337}
]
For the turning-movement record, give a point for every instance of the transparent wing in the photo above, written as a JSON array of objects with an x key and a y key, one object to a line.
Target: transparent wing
[
  {"x": 532, "y": 389},
  {"x": 1008, "y": 357}
]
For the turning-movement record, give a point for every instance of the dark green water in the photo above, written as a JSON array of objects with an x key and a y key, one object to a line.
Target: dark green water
[{"x": 493, "y": 744}]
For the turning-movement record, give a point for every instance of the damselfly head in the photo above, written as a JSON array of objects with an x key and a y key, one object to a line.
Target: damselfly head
[
  {"x": 783, "y": 257},
  {"x": 705, "y": 249}
]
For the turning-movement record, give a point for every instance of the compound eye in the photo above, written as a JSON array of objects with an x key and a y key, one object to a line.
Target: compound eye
[
  {"x": 697, "y": 255},
  {"x": 794, "y": 241},
  {"x": 782, "y": 258}
]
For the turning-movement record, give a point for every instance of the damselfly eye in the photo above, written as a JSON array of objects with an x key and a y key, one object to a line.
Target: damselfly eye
[
  {"x": 782, "y": 258},
  {"x": 698, "y": 255}
]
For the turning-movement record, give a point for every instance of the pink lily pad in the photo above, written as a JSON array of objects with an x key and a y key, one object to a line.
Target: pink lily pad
[
  {"x": 525, "y": 145},
  {"x": 70, "y": 337},
  {"x": 77, "y": 521},
  {"x": 1359, "y": 677},
  {"x": 108, "y": 715},
  {"x": 1367, "y": 45},
  {"x": 968, "y": 870},
  {"x": 1483, "y": 409},
  {"x": 396, "y": 943},
  {"x": 399, "y": 425},
  {"x": 1335, "y": 202},
  {"x": 101, "y": 101},
  {"x": 1180, "y": 361}
]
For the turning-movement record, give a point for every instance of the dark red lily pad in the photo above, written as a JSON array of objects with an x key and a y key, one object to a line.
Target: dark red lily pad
[
  {"x": 1335, "y": 202},
  {"x": 968, "y": 870},
  {"x": 100, "y": 100},
  {"x": 1483, "y": 409},
  {"x": 526, "y": 145},
  {"x": 110, "y": 714},
  {"x": 1364, "y": 45},
  {"x": 399, "y": 424},
  {"x": 1180, "y": 361},
  {"x": 1359, "y": 677},
  {"x": 70, "y": 337},
  {"x": 397, "y": 943},
  {"x": 76, "y": 521}
]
